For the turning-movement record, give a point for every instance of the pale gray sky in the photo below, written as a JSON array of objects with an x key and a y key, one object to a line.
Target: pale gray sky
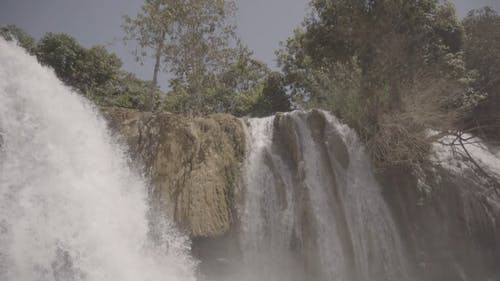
[{"x": 262, "y": 24}]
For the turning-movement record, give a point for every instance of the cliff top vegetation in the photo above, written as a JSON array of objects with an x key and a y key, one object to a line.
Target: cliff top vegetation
[{"x": 390, "y": 69}]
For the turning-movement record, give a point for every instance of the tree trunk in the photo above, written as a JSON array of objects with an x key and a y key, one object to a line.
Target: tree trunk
[{"x": 159, "y": 51}]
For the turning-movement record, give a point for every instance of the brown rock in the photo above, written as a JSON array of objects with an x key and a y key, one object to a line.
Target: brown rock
[{"x": 193, "y": 164}]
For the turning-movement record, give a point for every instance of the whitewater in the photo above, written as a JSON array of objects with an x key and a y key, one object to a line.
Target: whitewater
[
  {"x": 313, "y": 209},
  {"x": 70, "y": 207},
  {"x": 309, "y": 206}
]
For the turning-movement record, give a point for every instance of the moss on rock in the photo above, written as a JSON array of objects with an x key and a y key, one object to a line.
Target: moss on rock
[{"x": 193, "y": 164}]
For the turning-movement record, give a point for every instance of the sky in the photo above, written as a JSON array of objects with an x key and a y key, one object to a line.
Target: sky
[{"x": 262, "y": 24}]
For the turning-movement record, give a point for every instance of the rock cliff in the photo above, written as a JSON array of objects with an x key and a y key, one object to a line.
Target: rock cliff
[
  {"x": 193, "y": 164},
  {"x": 449, "y": 222}
]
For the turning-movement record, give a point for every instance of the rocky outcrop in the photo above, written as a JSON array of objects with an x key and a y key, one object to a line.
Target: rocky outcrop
[
  {"x": 193, "y": 164},
  {"x": 291, "y": 135},
  {"x": 450, "y": 222},
  {"x": 447, "y": 212}
]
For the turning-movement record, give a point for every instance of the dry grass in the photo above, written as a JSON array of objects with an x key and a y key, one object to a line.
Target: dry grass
[{"x": 402, "y": 136}]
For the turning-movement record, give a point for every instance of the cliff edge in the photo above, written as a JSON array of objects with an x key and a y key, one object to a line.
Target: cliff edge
[{"x": 193, "y": 164}]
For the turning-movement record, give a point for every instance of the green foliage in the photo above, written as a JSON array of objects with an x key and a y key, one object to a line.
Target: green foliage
[
  {"x": 195, "y": 42},
  {"x": 274, "y": 97},
  {"x": 149, "y": 31},
  {"x": 246, "y": 103},
  {"x": 99, "y": 67},
  {"x": 482, "y": 56},
  {"x": 12, "y": 32},
  {"x": 363, "y": 59},
  {"x": 482, "y": 45},
  {"x": 130, "y": 92},
  {"x": 338, "y": 30},
  {"x": 236, "y": 90},
  {"x": 255, "y": 97},
  {"x": 178, "y": 101},
  {"x": 95, "y": 73},
  {"x": 188, "y": 39},
  {"x": 63, "y": 53},
  {"x": 212, "y": 72},
  {"x": 87, "y": 70}
]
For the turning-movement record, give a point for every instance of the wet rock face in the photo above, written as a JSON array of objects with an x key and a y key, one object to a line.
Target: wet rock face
[
  {"x": 193, "y": 163},
  {"x": 449, "y": 224},
  {"x": 311, "y": 209},
  {"x": 288, "y": 145},
  {"x": 451, "y": 229}
]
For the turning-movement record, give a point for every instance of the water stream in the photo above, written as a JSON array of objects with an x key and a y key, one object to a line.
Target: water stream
[
  {"x": 313, "y": 209},
  {"x": 70, "y": 208}
]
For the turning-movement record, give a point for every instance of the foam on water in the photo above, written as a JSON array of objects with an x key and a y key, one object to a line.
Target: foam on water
[
  {"x": 70, "y": 207},
  {"x": 312, "y": 208}
]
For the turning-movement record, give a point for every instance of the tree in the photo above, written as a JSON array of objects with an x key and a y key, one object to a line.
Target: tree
[
  {"x": 193, "y": 40},
  {"x": 12, "y": 32},
  {"x": 362, "y": 59},
  {"x": 130, "y": 92},
  {"x": 99, "y": 67},
  {"x": 482, "y": 55},
  {"x": 274, "y": 97},
  {"x": 149, "y": 30},
  {"x": 93, "y": 72},
  {"x": 90, "y": 71},
  {"x": 388, "y": 40},
  {"x": 64, "y": 54},
  {"x": 236, "y": 90}
]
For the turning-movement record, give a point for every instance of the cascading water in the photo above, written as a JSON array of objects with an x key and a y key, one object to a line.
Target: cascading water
[
  {"x": 312, "y": 208},
  {"x": 70, "y": 208}
]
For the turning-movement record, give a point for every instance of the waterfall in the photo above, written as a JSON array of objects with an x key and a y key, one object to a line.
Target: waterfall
[
  {"x": 312, "y": 209},
  {"x": 70, "y": 207}
]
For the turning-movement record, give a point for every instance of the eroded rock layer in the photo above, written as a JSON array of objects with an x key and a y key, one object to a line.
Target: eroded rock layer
[
  {"x": 306, "y": 205},
  {"x": 193, "y": 163}
]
